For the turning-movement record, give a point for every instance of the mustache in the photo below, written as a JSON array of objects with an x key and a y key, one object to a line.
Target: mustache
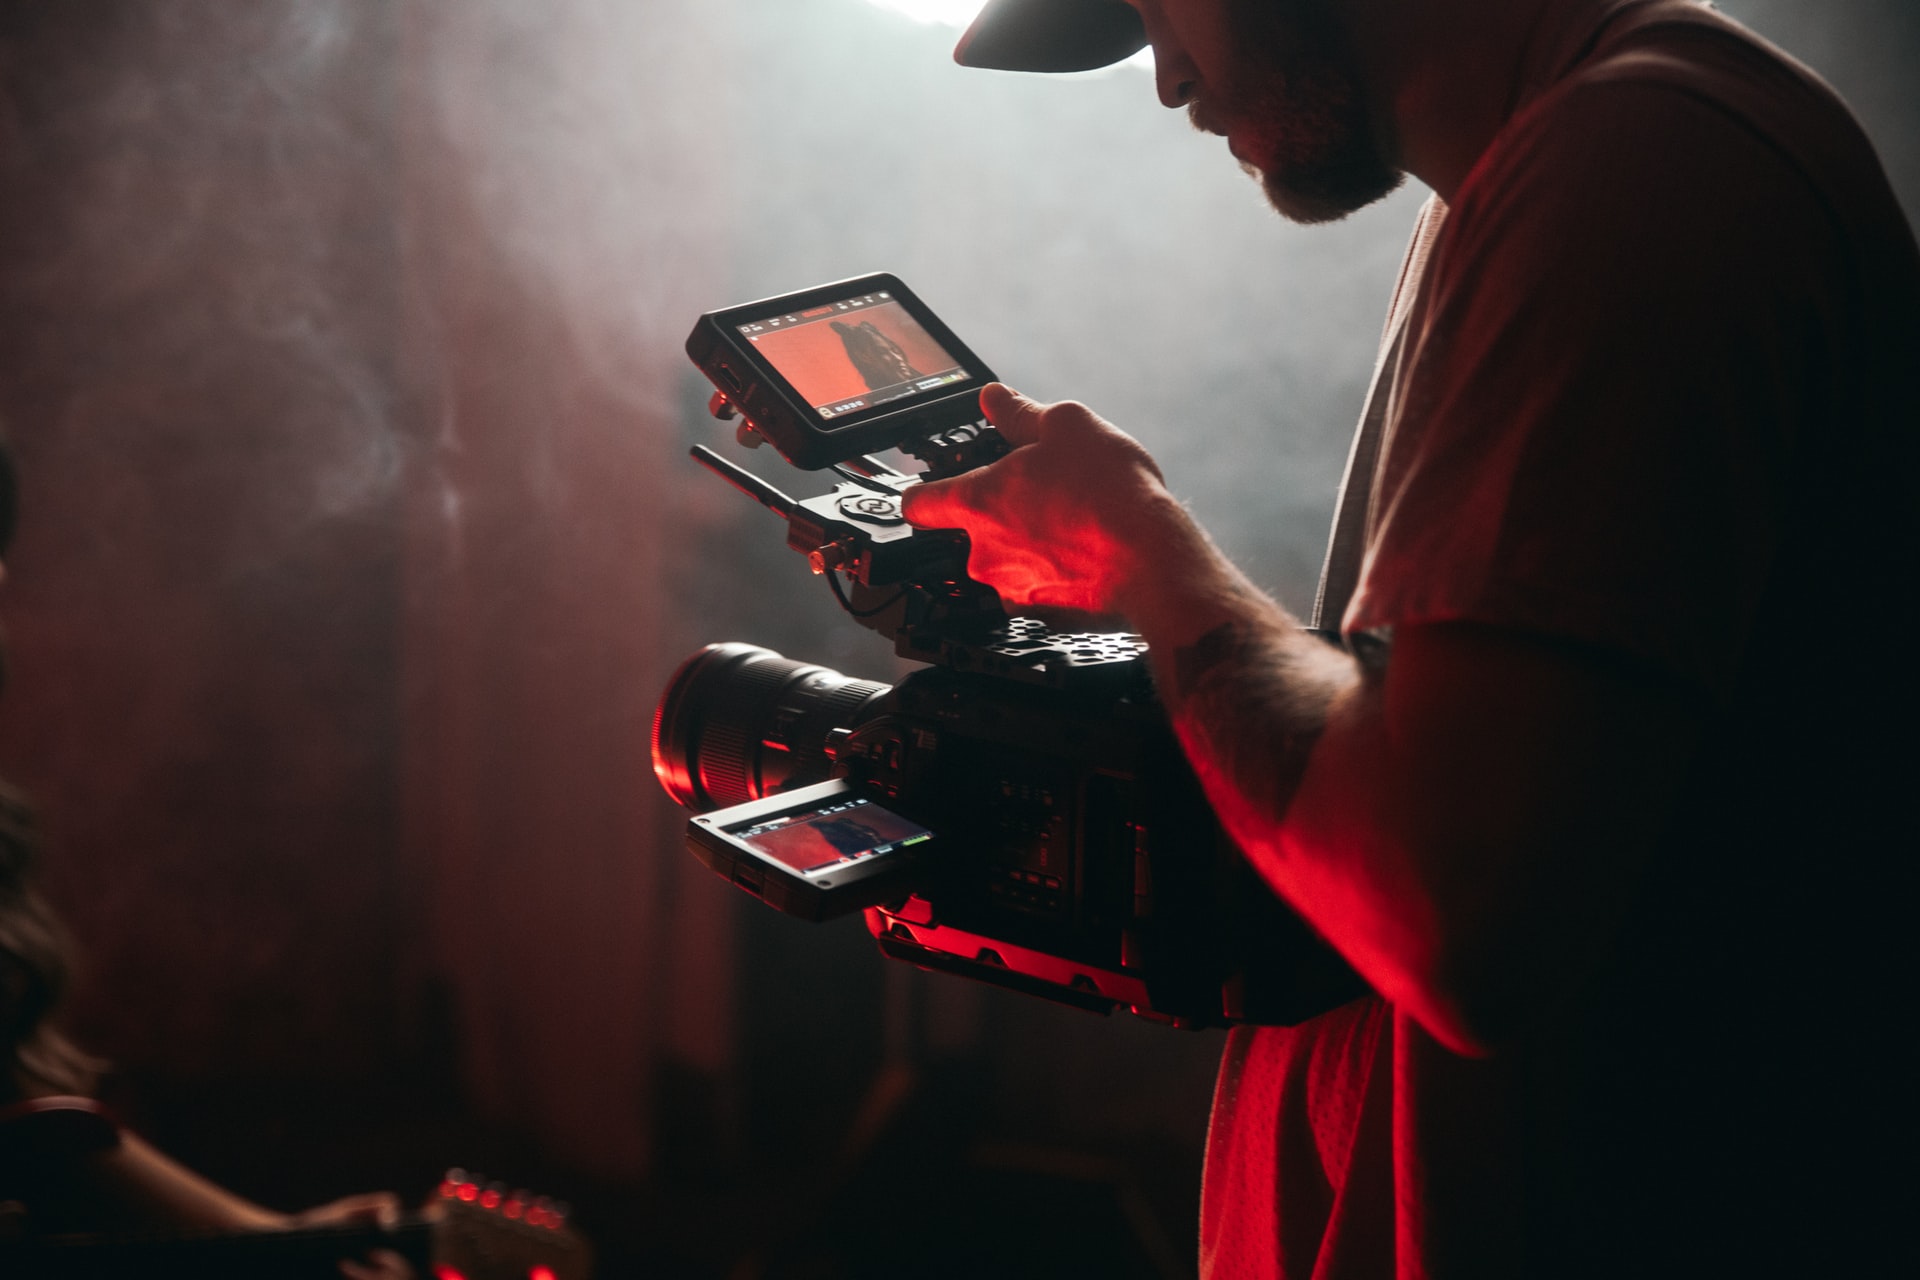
[{"x": 1203, "y": 119}]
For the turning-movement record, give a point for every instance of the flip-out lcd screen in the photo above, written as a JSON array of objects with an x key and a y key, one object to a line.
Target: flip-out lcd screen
[
  {"x": 822, "y": 841},
  {"x": 815, "y": 852}
]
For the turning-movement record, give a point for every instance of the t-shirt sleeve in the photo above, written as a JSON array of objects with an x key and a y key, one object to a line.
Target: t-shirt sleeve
[{"x": 1621, "y": 336}]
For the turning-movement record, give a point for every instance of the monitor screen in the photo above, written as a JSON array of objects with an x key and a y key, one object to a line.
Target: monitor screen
[
  {"x": 853, "y": 353},
  {"x": 812, "y": 841}
]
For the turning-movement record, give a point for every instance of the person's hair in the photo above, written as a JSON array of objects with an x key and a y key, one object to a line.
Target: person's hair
[
  {"x": 35, "y": 955},
  {"x": 35, "y": 965}
]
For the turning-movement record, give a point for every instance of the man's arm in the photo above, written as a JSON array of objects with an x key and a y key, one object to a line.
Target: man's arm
[
  {"x": 1468, "y": 821},
  {"x": 1462, "y": 824}
]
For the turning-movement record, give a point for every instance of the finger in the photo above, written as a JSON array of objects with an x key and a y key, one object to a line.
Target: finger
[
  {"x": 1016, "y": 416},
  {"x": 381, "y": 1208},
  {"x": 937, "y": 504}
]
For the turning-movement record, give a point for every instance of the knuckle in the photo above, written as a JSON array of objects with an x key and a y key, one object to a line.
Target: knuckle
[{"x": 1071, "y": 411}]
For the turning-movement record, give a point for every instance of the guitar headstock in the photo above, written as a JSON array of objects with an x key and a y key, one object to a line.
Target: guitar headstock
[{"x": 487, "y": 1231}]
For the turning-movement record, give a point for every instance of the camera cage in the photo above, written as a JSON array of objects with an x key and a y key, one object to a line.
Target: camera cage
[{"x": 911, "y": 585}]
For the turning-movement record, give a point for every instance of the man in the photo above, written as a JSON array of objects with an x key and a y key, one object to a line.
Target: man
[{"x": 1598, "y": 795}]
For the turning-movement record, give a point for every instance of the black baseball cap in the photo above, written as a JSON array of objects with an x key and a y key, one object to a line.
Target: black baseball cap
[{"x": 1051, "y": 35}]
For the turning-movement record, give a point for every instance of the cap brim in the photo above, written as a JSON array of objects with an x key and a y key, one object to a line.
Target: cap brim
[{"x": 1051, "y": 35}]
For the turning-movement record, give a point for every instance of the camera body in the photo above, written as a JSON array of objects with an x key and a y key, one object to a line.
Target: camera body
[
  {"x": 1083, "y": 862},
  {"x": 1017, "y": 812}
]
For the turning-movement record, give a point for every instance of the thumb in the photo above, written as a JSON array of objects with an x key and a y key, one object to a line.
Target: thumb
[{"x": 1016, "y": 416}]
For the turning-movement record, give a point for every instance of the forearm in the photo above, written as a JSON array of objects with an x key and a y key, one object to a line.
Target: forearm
[
  {"x": 1463, "y": 823},
  {"x": 159, "y": 1191},
  {"x": 1288, "y": 737},
  {"x": 1286, "y": 733},
  {"x": 1246, "y": 686}
]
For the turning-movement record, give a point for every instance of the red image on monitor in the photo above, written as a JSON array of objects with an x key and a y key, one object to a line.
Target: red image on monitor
[
  {"x": 850, "y": 352},
  {"x": 811, "y": 841}
]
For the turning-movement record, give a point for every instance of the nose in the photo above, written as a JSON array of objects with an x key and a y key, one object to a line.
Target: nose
[{"x": 1174, "y": 75}]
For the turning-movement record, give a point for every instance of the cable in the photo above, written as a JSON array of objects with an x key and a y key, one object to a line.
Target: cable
[
  {"x": 873, "y": 483},
  {"x": 840, "y": 594}
]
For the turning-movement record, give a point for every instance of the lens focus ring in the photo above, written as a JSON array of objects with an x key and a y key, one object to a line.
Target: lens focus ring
[{"x": 738, "y": 722}]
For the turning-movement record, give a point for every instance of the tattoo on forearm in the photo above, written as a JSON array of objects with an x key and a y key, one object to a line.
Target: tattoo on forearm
[
  {"x": 1226, "y": 643},
  {"x": 1251, "y": 702}
]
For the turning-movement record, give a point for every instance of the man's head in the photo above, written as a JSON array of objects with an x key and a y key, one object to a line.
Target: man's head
[{"x": 1278, "y": 78}]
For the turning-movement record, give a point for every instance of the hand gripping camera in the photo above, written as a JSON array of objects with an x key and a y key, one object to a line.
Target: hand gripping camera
[{"x": 1017, "y": 811}]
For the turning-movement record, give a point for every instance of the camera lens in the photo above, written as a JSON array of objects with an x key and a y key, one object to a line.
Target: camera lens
[{"x": 738, "y": 722}]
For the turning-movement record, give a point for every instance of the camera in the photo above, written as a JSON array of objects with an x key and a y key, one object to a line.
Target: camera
[{"x": 1018, "y": 810}]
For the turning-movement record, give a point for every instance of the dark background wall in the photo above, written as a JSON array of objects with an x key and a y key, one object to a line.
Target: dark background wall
[
  {"x": 201, "y": 382},
  {"x": 339, "y": 344}
]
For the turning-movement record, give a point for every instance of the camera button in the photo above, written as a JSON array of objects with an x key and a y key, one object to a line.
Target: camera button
[{"x": 874, "y": 508}]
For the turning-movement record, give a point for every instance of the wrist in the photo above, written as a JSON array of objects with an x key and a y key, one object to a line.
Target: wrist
[{"x": 1181, "y": 586}]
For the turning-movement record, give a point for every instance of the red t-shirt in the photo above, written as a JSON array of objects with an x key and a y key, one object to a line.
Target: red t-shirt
[{"x": 1653, "y": 397}]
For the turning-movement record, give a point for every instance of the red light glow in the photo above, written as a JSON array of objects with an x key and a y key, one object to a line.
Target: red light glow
[
  {"x": 469, "y": 1193},
  {"x": 490, "y": 1199},
  {"x": 444, "y": 1272},
  {"x": 540, "y": 1273}
]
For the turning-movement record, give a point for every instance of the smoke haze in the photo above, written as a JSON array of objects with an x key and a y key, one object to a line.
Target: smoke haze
[{"x": 340, "y": 346}]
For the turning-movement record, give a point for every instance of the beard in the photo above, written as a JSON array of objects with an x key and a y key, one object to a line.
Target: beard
[{"x": 1293, "y": 101}]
